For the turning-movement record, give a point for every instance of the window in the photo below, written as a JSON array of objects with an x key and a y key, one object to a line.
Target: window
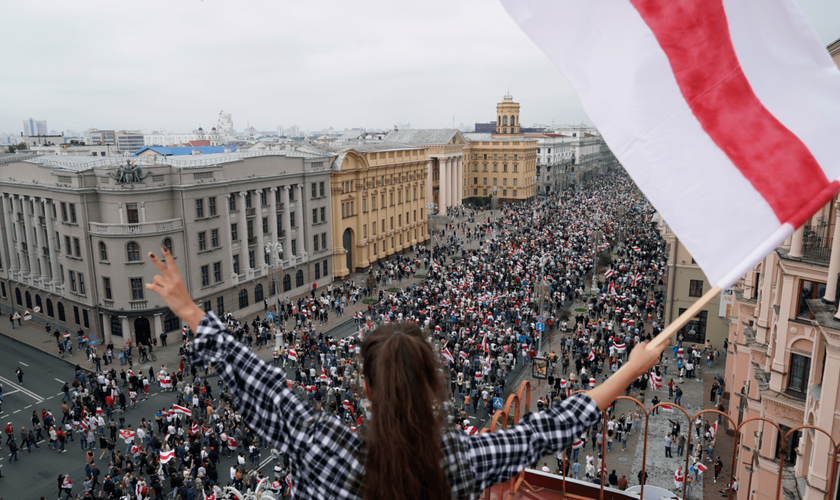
[
  {"x": 299, "y": 278},
  {"x": 72, "y": 281},
  {"x": 243, "y": 298},
  {"x": 495, "y": 180},
  {"x": 199, "y": 208},
  {"x": 103, "y": 251},
  {"x": 485, "y": 181},
  {"x": 217, "y": 271},
  {"x": 133, "y": 251},
  {"x": 314, "y": 190},
  {"x": 800, "y": 367},
  {"x": 504, "y": 181},
  {"x": 136, "y": 288},
  {"x": 106, "y": 285},
  {"x": 247, "y": 199},
  {"x": 50, "y": 312},
  {"x": 364, "y": 205},
  {"x": 116, "y": 326},
  {"x": 495, "y": 167},
  {"x": 73, "y": 212},
  {"x": 374, "y": 249},
  {"x": 64, "y": 211},
  {"x": 695, "y": 288},
  {"x": 294, "y": 247},
  {"x": 321, "y": 189},
  {"x": 133, "y": 213},
  {"x": 236, "y": 264},
  {"x": 61, "y": 316},
  {"x": 514, "y": 192},
  {"x": 324, "y": 213},
  {"x": 515, "y": 157},
  {"x": 392, "y": 222},
  {"x": 171, "y": 323},
  {"x": 292, "y": 220},
  {"x": 262, "y": 198},
  {"x": 211, "y": 205},
  {"x": 317, "y": 270},
  {"x": 81, "y": 283},
  {"x": 250, "y": 229},
  {"x": 234, "y": 233},
  {"x": 202, "y": 241},
  {"x": 504, "y": 192},
  {"x": 265, "y": 225},
  {"x": 214, "y": 238},
  {"x": 220, "y": 306},
  {"x": 695, "y": 330},
  {"x": 77, "y": 245},
  {"x": 167, "y": 243},
  {"x": 251, "y": 262},
  {"x": 258, "y": 290},
  {"x": 287, "y": 283},
  {"x": 515, "y": 181},
  {"x": 232, "y": 203},
  {"x": 324, "y": 241},
  {"x": 315, "y": 243},
  {"x": 205, "y": 275},
  {"x": 85, "y": 317},
  {"x": 808, "y": 290},
  {"x": 789, "y": 448},
  {"x": 314, "y": 215}
]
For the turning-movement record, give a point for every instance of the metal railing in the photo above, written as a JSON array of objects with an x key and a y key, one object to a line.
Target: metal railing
[
  {"x": 815, "y": 242},
  {"x": 507, "y": 489}
]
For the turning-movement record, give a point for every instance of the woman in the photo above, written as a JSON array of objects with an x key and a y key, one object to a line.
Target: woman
[{"x": 407, "y": 399}]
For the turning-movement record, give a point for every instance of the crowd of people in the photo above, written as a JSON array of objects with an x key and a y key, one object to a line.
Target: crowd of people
[{"x": 489, "y": 291}]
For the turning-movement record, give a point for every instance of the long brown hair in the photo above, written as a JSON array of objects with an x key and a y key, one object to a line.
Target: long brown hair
[{"x": 407, "y": 398}]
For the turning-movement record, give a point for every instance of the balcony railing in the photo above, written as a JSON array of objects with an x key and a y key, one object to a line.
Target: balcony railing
[
  {"x": 815, "y": 242},
  {"x": 141, "y": 228},
  {"x": 138, "y": 304},
  {"x": 531, "y": 484},
  {"x": 252, "y": 240},
  {"x": 250, "y": 212}
]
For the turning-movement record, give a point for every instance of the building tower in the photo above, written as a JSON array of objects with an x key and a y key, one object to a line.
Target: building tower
[{"x": 507, "y": 116}]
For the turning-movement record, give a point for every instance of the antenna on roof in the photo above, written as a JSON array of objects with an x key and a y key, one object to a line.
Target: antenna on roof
[{"x": 508, "y": 95}]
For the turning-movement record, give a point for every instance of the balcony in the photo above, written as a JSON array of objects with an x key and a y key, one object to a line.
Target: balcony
[
  {"x": 252, "y": 241},
  {"x": 138, "y": 304},
  {"x": 144, "y": 228},
  {"x": 250, "y": 212},
  {"x": 815, "y": 242},
  {"x": 282, "y": 233}
]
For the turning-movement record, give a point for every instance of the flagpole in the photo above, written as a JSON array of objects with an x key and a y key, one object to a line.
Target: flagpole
[{"x": 665, "y": 336}]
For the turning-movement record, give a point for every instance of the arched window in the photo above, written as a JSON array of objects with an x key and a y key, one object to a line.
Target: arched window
[
  {"x": 512, "y": 120},
  {"x": 61, "y": 316},
  {"x": 116, "y": 326},
  {"x": 171, "y": 323},
  {"x": 498, "y": 120},
  {"x": 38, "y": 302},
  {"x": 299, "y": 278},
  {"x": 258, "y": 294},
  {"x": 28, "y": 301},
  {"x": 287, "y": 283},
  {"x": 103, "y": 251},
  {"x": 504, "y": 120},
  {"x": 167, "y": 243},
  {"x": 18, "y": 297},
  {"x": 243, "y": 298},
  {"x": 50, "y": 311},
  {"x": 133, "y": 251}
]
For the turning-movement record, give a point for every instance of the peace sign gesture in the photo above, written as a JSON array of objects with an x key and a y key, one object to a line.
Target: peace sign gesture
[{"x": 169, "y": 285}]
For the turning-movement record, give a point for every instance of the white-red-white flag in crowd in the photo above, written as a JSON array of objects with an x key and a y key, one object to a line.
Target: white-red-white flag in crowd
[
  {"x": 166, "y": 456},
  {"x": 448, "y": 355},
  {"x": 655, "y": 381},
  {"x": 678, "y": 478},
  {"x": 730, "y": 104},
  {"x": 182, "y": 409}
]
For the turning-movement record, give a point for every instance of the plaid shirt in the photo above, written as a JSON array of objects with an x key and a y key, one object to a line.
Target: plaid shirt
[{"x": 327, "y": 458}]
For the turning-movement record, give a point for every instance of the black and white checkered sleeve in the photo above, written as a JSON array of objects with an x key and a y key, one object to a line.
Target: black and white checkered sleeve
[
  {"x": 266, "y": 403},
  {"x": 496, "y": 457}
]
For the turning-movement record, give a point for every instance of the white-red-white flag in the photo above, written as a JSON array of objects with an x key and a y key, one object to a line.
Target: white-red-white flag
[
  {"x": 182, "y": 409},
  {"x": 127, "y": 434},
  {"x": 678, "y": 478},
  {"x": 668, "y": 408},
  {"x": 448, "y": 355},
  {"x": 577, "y": 444},
  {"x": 166, "y": 456},
  {"x": 731, "y": 104}
]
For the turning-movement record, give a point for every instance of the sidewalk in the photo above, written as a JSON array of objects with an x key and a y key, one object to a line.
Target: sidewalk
[{"x": 32, "y": 332}]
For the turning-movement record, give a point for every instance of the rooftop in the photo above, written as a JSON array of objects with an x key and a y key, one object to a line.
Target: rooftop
[
  {"x": 422, "y": 136},
  {"x": 362, "y": 147},
  {"x": 84, "y": 163},
  {"x": 185, "y": 150},
  {"x": 473, "y": 137}
]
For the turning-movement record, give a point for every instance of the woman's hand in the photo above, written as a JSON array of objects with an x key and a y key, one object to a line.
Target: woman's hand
[
  {"x": 169, "y": 285},
  {"x": 644, "y": 356}
]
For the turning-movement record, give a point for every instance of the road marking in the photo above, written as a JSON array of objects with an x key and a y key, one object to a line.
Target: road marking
[
  {"x": 155, "y": 394},
  {"x": 37, "y": 398},
  {"x": 63, "y": 382},
  {"x": 50, "y": 397},
  {"x": 24, "y": 364},
  {"x": 12, "y": 391},
  {"x": 59, "y": 394},
  {"x": 28, "y": 407},
  {"x": 15, "y": 411}
]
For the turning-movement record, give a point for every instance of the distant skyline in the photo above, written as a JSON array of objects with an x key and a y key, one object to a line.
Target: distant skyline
[{"x": 158, "y": 65}]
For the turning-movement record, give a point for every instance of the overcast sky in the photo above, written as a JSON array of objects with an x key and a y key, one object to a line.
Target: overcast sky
[{"x": 173, "y": 65}]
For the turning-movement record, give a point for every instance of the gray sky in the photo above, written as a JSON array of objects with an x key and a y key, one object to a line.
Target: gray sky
[{"x": 156, "y": 64}]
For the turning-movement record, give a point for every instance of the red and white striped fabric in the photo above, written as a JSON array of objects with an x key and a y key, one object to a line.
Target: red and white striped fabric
[
  {"x": 127, "y": 434},
  {"x": 166, "y": 456},
  {"x": 591, "y": 355},
  {"x": 181, "y": 409},
  {"x": 470, "y": 430},
  {"x": 609, "y": 273},
  {"x": 729, "y": 103},
  {"x": 211, "y": 496},
  {"x": 620, "y": 346},
  {"x": 448, "y": 355},
  {"x": 668, "y": 408},
  {"x": 699, "y": 466},
  {"x": 577, "y": 444},
  {"x": 678, "y": 478},
  {"x": 655, "y": 381},
  {"x": 463, "y": 354},
  {"x": 231, "y": 443},
  {"x": 713, "y": 430},
  {"x": 636, "y": 279}
]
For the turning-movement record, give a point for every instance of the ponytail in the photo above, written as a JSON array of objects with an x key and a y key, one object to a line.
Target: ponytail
[{"x": 403, "y": 434}]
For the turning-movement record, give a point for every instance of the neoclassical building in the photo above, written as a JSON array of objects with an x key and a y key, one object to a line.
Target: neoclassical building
[
  {"x": 445, "y": 148},
  {"x": 378, "y": 201},
  {"x": 505, "y": 160},
  {"x": 76, "y": 231}
]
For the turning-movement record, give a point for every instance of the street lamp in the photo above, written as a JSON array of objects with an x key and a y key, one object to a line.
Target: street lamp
[
  {"x": 493, "y": 202},
  {"x": 275, "y": 249},
  {"x": 431, "y": 209}
]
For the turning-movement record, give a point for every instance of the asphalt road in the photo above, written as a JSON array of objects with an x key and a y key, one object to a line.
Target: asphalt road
[{"x": 35, "y": 473}]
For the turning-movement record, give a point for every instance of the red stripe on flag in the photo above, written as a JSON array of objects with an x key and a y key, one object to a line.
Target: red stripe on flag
[{"x": 694, "y": 34}]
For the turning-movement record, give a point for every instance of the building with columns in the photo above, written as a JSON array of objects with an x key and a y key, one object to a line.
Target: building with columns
[
  {"x": 506, "y": 159},
  {"x": 445, "y": 147},
  {"x": 76, "y": 232},
  {"x": 378, "y": 201}
]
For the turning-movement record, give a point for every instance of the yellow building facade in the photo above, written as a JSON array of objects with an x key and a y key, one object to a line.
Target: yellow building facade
[
  {"x": 378, "y": 203},
  {"x": 505, "y": 160}
]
